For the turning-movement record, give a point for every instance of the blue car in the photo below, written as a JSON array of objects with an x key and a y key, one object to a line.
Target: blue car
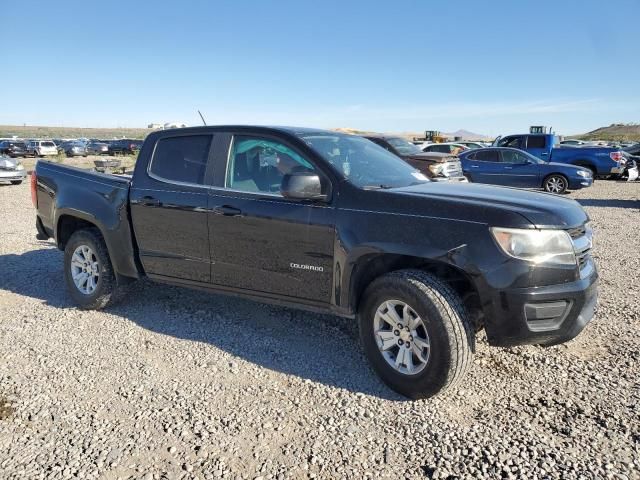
[{"x": 515, "y": 168}]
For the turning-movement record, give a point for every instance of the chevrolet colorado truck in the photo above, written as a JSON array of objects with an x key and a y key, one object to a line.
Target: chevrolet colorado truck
[
  {"x": 334, "y": 223},
  {"x": 602, "y": 161}
]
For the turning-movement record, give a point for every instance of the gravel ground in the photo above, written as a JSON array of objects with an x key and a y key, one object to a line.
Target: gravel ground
[{"x": 172, "y": 383}]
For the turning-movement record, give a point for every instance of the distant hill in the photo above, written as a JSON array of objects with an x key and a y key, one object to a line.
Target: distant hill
[
  {"x": 29, "y": 131},
  {"x": 615, "y": 131},
  {"x": 465, "y": 134}
]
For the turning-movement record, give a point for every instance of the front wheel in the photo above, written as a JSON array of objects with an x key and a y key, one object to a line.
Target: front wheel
[
  {"x": 88, "y": 271},
  {"x": 16, "y": 182},
  {"x": 555, "y": 184},
  {"x": 415, "y": 333}
]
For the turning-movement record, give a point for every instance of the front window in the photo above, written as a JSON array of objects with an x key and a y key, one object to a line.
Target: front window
[
  {"x": 512, "y": 142},
  {"x": 403, "y": 146},
  {"x": 516, "y": 157},
  {"x": 47, "y": 144},
  {"x": 258, "y": 165},
  {"x": 363, "y": 163}
]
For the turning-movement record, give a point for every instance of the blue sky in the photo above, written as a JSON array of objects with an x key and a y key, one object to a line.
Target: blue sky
[{"x": 489, "y": 67}]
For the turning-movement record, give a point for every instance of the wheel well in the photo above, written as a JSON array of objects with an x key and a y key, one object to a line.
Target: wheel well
[
  {"x": 588, "y": 165},
  {"x": 67, "y": 225},
  {"x": 378, "y": 265}
]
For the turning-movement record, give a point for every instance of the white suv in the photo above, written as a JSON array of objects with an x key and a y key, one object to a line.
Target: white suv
[{"x": 40, "y": 148}]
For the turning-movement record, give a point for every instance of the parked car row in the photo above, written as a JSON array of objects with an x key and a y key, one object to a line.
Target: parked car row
[
  {"x": 538, "y": 161},
  {"x": 72, "y": 148}
]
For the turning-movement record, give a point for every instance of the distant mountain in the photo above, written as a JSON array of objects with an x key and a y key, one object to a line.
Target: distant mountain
[
  {"x": 467, "y": 135},
  {"x": 615, "y": 131}
]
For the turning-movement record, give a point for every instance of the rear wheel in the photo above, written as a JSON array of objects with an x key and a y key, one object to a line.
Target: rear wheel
[
  {"x": 88, "y": 271},
  {"x": 415, "y": 333},
  {"x": 555, "y": 183}
]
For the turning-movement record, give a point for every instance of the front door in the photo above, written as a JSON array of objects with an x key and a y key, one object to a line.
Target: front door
[
  {"x": 519, "y": 170},
  {"x": 261, "y": 241},
  {"x": 169, "y": 209}
]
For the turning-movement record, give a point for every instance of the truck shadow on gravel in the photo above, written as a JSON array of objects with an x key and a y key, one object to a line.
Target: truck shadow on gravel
[{"x": 315, "y": 347}]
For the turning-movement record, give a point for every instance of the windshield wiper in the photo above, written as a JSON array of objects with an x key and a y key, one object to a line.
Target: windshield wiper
[{"x": 377, "y": 187}]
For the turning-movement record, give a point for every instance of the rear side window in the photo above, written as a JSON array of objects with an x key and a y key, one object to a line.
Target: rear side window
[
  {"x": 181, "y": 159},
  {"x": 487, "y": 156},
  {"x": 537, "y": 141}
]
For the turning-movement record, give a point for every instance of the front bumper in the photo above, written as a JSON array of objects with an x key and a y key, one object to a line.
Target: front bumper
[
  {"x": 541, "y": 315},
  {"x": 450, "y": 179},
  {"x": 580, "y": 182},
  {"x": 9, "y": 175}
]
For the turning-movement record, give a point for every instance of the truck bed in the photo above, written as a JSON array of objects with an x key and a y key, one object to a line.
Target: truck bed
[{"x": 69, "y": 194}]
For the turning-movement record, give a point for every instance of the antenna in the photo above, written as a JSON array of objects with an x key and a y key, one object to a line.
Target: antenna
[{"x": 203, "y": 121}]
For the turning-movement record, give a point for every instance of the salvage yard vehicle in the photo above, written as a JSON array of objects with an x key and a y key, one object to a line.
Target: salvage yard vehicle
[
  {"x": 97, "y": 148},
  {"x": 74, "y": 149},
  {"x": 602, "y": 161},
  {"x": 436, "y": 166},
  {"x": 41, "y": 148},
  {"x": 124, "y": 147},
  {"x": 13, "y": 149},
  {"x": 11, "y": 170},
  {"x": 450, "y": 148},
  {"x": 334, "y": 223},
  {"x": 515, "y": 168}
]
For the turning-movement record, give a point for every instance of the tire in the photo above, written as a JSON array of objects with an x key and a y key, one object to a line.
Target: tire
[
  {"x": 105, "y": 286},
  {"x": 445, "y": 327},
  {"x": 16, "y": 182},
  {"x": 555, "y": 183}
]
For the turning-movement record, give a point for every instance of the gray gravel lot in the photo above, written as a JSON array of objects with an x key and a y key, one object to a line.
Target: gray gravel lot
[{"x": 172, "y": 383}]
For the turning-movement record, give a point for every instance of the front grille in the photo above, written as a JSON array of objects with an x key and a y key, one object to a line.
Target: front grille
[
  {"x": 577, "y": 232},
  {"x": 452, "y": 169},
  {"x": 9, "y": 169},
  {"x": 581, "y": 237}
]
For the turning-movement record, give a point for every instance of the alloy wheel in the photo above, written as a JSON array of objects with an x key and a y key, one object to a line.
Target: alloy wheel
[
  {"x": 402, "y": 337},
  {"x": 85, "y": 269},
  {"x": 556, "y": 184}
]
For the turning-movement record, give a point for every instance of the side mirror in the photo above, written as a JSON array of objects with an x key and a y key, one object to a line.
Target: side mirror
[{"x": 303, "y": 185}]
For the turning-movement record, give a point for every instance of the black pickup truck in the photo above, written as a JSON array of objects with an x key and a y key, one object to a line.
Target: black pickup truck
[{"x": 329, "y": 222}]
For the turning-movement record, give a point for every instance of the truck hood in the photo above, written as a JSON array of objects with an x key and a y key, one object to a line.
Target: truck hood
[
  {"x": 8, "y": 163},
  {"x": 433, "y": 157},
  {"x": 540, "y": 209}
]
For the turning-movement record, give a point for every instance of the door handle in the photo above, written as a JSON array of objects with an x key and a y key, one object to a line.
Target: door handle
[
  {"x": 544, "y": 154},
  {"x": 227, "y": 211},
  {"x": 475, "y": 166},
  {"x": 508, "y": 168},
  {"x": 150, "y": 202}
]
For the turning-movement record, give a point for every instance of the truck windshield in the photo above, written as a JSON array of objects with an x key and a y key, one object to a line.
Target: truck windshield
[
  {"x": 362, "y": 162},
  {"x": 403, "y": 146}
]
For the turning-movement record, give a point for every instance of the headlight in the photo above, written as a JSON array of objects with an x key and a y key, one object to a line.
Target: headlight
[
  {"x": 436, "y": 168},
  {"x": 537, "y": 246},
  {"x": 19, "y": 167},
  {"x": 584, "y": 173}
]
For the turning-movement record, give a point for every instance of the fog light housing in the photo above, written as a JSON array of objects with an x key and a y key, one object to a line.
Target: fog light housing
[{"x": 546, "y": 316}]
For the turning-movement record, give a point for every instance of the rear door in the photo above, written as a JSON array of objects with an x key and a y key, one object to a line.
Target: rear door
[
  {"x": 538, "y": 147},
  {"x": 169, "y": 208},
  {"x": 518, "y": 170},
  {"x": 485, "y": 166},
  {"x": 260, "y": 241}
]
